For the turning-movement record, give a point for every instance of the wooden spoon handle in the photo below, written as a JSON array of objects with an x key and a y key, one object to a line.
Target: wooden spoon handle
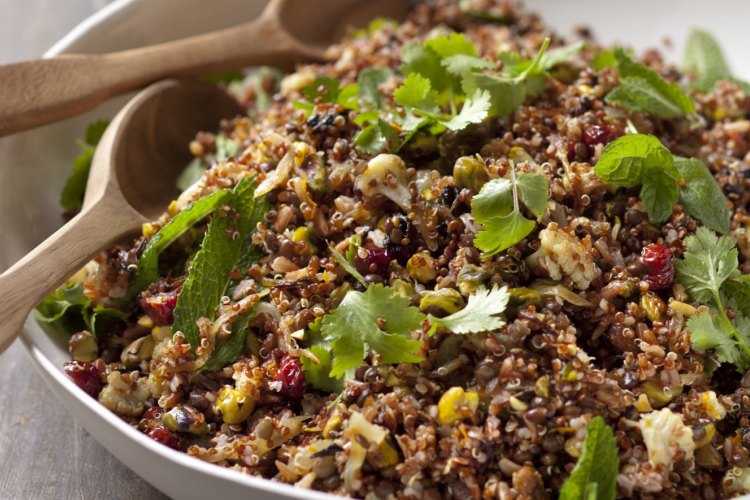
[
  {"x": 58, "y": 257},
  {"x": 37, "y": 92}
]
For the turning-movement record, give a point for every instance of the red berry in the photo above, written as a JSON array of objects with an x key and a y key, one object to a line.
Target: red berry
[
  {"x": 658, "y": 261},
  {"x": 598, "y": 134},
  {"x": 85, "y": 375},
  {"x": 291, "y": 377},
  {"x": 153, "y": 413},
  {"x": 160, "y": 306},
  {"x": 373, "y": 260},
  {"x": 164, "y": 436}
]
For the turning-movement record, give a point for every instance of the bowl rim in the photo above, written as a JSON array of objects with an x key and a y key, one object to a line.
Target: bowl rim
[{"x": 112, "y": 422}]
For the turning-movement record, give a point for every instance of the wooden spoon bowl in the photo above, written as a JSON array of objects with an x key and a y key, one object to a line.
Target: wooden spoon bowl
[{"x": 132, "y": 180}]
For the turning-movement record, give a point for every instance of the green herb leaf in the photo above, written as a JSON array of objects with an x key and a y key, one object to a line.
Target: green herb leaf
[
  {"x": 148, "y": 265},
  {"x": 479, "y": 315},
  {"x": 559, "y": 55},
  {"x": 506, "y": 94},
  {"x": 501, "y": 233},
  {"x": 474, "y": 110},
  {"x": 369, "y": 81},
  {"x": 228, "y": 350},
  {"x": 595, "y": 473},
  {"x": 604, "y": 59},
  {"x": 318, "y": 374},
  {"x": 534, "y": 193},
  {"x": 71, "y": 197},
  {"x": 377, "y": 137},
  {"x": 352, "y": 328},
  {"x": 208, "y": 276},
  {"x": 57, "y": 304},
  {"x": 420, "y": 59},
  {"x": 701, "y": 195},
  {"x": 704, "y": 59},
  {"x": 461, "y": 63},
  {"x": 642, "y": 89},
  {"x": 347, "y": 265},
  {"x": 495, "y": 199},
  {"x": 70, "y": 310},
  {"x": 451, "y": 45},
  {"x": 658, "y": 194},
  {"x": 416, "y": 92},
  {"x": 709, "y": 274}
]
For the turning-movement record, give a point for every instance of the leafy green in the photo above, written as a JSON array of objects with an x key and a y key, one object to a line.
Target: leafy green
[
  {"x": 347, "y": 265},
  {"x": 220, "y": 253},
  {"x": 559, "y": 55},
  {"x": 71, "y": 197},
  {"x": 704, "y": 59},
  {"x": 68, "y": 308},
  {"x": 148, "y": 265},
  {"x": 369, "y": 81},
  {"x": 376, "y": 319},
  {"x": 709, "y": 274},
  {"x": 595, "y": 475},
  {"x": 376, "y": 137},
  {"x": 497, "y": 208},
  {"x": 701, "y": 195},
  {"x": 228, "y": 350},
  {"x": 318, "y": 374},
  {"x": 604, "y": 59},
  {"x": 479, "y": 315},
  {"x": 642, "y": 89},
  {"x": 640, "y": 159}
]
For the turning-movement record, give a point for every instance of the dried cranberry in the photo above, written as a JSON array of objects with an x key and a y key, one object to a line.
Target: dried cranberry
[
  {"x": 291, "y": 377},
  {"x": 164, "y": 436},
  {"x": 85, "y": 375},
  {"x": 598, "y": 134},
  {"x": 373, "y": 260},
  {"x": 571, "y": 147},
  {"x": 160, "y": 306},
  {"x": 658, "y": 261}
]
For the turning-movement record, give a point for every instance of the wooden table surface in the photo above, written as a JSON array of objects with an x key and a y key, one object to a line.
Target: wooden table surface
[{"x": 44, "y": 453}]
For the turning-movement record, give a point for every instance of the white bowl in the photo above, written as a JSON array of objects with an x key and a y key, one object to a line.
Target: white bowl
[{"x": 36, "y": 163}]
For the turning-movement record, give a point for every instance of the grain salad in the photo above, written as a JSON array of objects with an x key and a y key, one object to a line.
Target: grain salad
[{"x": 466, "y": 258}]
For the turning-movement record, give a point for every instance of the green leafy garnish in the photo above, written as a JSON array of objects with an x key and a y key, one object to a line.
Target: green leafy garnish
[
  {"x": 710, "y": 276},
  {"x": 369, "y": 81},
  {"x": 318, "y": 374},
  {"x": 604, "y": 59},
  {"x": 479, "y": 315},
  {"x": 498, "y": 209},
  {"x": 701, "y": 195},
  {"x": 376, "y": 319},
  {"x": 220, "y": 253},
  {"x": 148, "y": 265},
  {"x": 595, "y": 475},
  {"x": 71, "y": 197},
  {"x": 348, "y": 265},
  {"x": 642, "y": 89},
  {"x": 640, "y": 159},
  {"x": 68, "y": 308},
  {"x": 704, "y": 59}
]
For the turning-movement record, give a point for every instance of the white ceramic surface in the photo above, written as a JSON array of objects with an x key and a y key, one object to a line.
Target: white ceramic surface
[{"x": 33, "y": 167}]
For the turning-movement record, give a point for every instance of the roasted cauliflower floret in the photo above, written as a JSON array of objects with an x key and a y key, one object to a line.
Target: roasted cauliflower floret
[
  {"x": 125, "y": 397},
  {"x": 563, "y": 254},
  {"x": 386, "y": 175},
  {"x": 667, "y": 437}
]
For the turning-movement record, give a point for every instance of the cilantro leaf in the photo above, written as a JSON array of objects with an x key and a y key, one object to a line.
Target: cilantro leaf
[
  {"x": 377, "y": 137},
  {"x": 451, "y": 45},
  {"x": 416, "y": 92},
  {"x": 709, "y": 273},
  {"x": 148, "y": 264},
  {"x": 370, "y": 80},
  {"x": 534, "y": 193},
  {"x": 420, "y": 59},
  {"x": 479, "y": 315},
  {"x": 604, "y": 59},
  {"x": 71, "y": 197},
  {"x": 318, "y": 374},
  {"x": 595, "y": 473},
  {"x": 474, "y": 110},
  {"x": 501, "y": 233},
  {"x": 506, "y": 94},
  {"x": 208, "y": 276},
  {"x": 352, "y": 329},
  {"x": 493, "y": 200},
  {"x": 559, "y": 55},
  {"x": 642, "y": 89},
  {"x": 459, "y": 64},
  {"x": 704, "y": 59},
  {"x": 701, "y": 195}
]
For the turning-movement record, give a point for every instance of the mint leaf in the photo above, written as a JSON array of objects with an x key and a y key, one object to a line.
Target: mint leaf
[
  {"x": 71, "y": 197},
  {"x": 625, "y": 160},
  {"x": 352, "y": 329},
  {"x": 642, "y": 89},
  {"x": 658, "y": 194},
  {"x": 148, "y": 265},
  {"x": 701, "y": 195},
  {"x": 704, "y": 59},
  {"x": 501, "y": 233},
  {"x": 595, "y": 473},
  {"x": 495, "y": 199},
  {"x": 479, "y": 315},
  {"x": 534, "y": 193},
  {"x": 69, "y": 309},
  {"x": 208, "y": 276}
]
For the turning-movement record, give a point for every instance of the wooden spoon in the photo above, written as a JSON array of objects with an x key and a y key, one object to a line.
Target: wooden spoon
[
  {"x": 132, "y": 180},
  {"x": 37, "y": 92}
]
